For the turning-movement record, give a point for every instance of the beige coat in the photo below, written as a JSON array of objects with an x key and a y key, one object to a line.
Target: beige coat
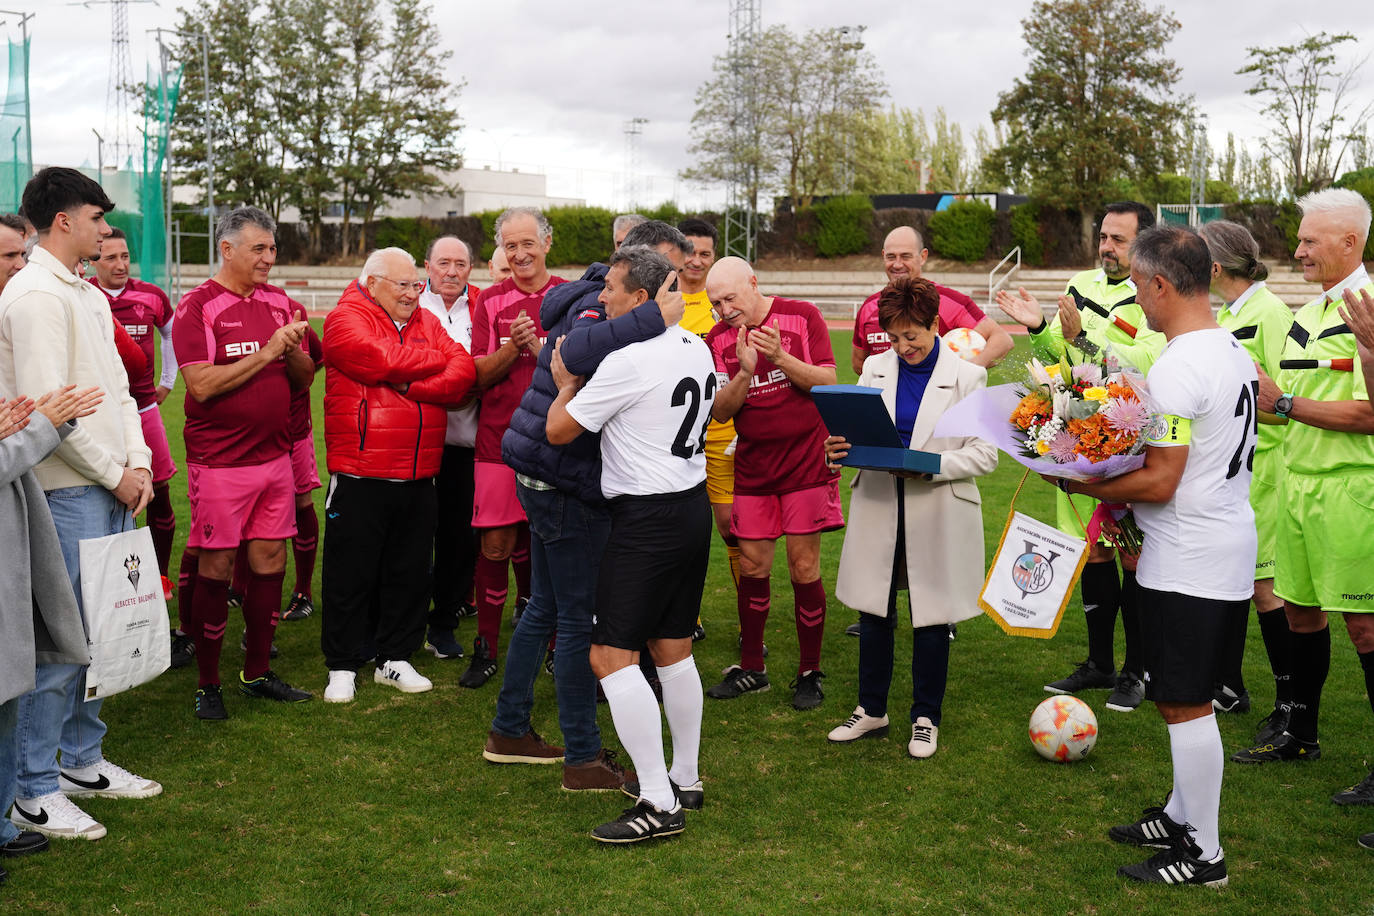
[{"x": 944, "y": 521}]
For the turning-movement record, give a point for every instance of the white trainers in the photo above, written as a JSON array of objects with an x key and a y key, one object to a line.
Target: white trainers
[
  {"x": 56, "y": 816},
  {"x": 105, "y": 780},
  {"x": 402, "y": 676},
  {"x": 923, "y": 736},
  {"x": 343, "y": 685},
  {"x": 859, "y": 725}
]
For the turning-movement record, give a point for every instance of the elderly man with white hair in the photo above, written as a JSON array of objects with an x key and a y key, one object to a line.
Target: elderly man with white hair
[
  {"x": 392, "y": 373},
  {"x": 1322, "y": 554}
]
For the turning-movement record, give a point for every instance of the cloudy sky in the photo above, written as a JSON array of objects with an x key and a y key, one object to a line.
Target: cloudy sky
[{"x": 550, "y": 85}]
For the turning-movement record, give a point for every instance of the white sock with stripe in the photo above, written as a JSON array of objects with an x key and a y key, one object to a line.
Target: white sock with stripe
[
  {"x": 682, "y": 702},
  {"x": 640, "y": 729},
  {"x": 1199, "y": 759}
]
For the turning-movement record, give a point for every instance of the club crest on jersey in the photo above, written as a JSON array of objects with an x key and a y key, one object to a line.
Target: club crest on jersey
[
  {"x": 1033, "y": 572},
  {"x": 245, "y": 348},
  {"x": 131, "y": 566}
]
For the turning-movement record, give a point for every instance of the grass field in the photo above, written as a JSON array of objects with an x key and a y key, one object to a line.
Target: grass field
[{"x": 386, "y": 806}]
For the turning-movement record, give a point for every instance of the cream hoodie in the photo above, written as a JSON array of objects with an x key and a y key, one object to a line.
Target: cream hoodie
[{"x": 56, "y": 329}]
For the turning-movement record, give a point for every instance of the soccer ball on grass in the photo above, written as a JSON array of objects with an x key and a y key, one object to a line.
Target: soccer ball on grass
[{"x": 1063, "y": 729}]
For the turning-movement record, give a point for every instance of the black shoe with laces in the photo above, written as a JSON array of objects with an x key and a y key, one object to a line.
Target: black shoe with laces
[
  {"x": 698, "y": 632},
  {"x": 210, "y": 703},
  {"x": 642, "y": 822},
  {"x": 1179, "y": 864},
  {"x": 806, "y": 690},
  {"x": 737, "y": 682},
  {"x": 1129, "y": 693},
  {"x": 1226, "y": 699},
  {"x": 1087, "y": 676},
  {"x": 298, "y": 608},
  {"x": 183, "y": 650},
  {"x": 482, "y": 666},
  {"x": 1362, "y": 793},
  {"x": 467, "y": 609},
  {"x": 690, "y": 797},
  {"x": 1154, "y": 830},
  {"x": 1274, "y": 724},
  {"x": 1284, "y": 747},
  {"x": 271, "y": 687}
]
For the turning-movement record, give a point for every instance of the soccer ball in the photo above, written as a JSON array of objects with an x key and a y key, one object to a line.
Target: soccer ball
[
  {"x": 1063, "y": 728},
  {"x": 965, "y": 343}
]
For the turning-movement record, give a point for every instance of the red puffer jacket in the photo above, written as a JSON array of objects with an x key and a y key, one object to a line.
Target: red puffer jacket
[{"x": 371, "y": 429}]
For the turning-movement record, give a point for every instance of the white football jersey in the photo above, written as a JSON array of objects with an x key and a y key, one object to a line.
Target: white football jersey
[{"x": 651, "y": 402}]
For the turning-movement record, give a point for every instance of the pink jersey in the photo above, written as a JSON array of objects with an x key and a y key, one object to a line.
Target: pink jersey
[
  {"x": 250, "y": 424},
  {"x": 781, "y": 437},
  {"x": 496, "y": 311},
  {"x": 956, "y": 311},
  {"x": 300, "y": 400},
  {"x": 141, "y": 308}
]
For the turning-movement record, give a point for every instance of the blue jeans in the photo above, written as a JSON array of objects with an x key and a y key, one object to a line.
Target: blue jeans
[
  {"x": 8, "y": 763},
  {"x": 569, "y": 537},
  {"x": 54, "y": 715}
]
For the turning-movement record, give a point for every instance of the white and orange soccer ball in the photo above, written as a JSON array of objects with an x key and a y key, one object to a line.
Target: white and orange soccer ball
[
  {"x": 1063, "y": 729},
  {"x": 965, "y": 343}
]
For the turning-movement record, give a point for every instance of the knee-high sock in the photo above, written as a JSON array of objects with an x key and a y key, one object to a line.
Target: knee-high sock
[
  {"x": 1101, "y": 596},
  {"x": 1129, "y": 597},
  {"x": 520, "y": 561},
  {"x": 732, "y": 555},
  {"x": 1198, "y": 758},
  {"x": 640, "y": 729},
  {"x": 1367, "y": 663},
  {"x": 808, "y": 600},
  {"x": 1311, "y": 663},
  {"x": 1278, "y": 645},
  {"x": 492, "y": 584},
  {"x": 162, "y": 521},
  {"x": 186, "y": 589},
  {"x": 239, "y": 580},
  {"x": 304, "y": 545},
  {"x": 752, "y": 601},
  {"x": 261, "y": 611},
  {"x": 682, "y": 702},
  {"x": 208, "y": 620}
]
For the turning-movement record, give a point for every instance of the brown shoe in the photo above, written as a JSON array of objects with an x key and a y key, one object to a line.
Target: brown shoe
[
  {"x": 601, "y": 774},
  {"x": 529, "y": 748}
]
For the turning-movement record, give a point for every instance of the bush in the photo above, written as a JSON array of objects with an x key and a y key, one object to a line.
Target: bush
[
  {"x": 1361, "y": 180},
  {"x": 842, "y": 225},
  {"x": 963, "y": 231},
  {"x": 1025, "y": 231},
  {"x": 581, "y": 235}
]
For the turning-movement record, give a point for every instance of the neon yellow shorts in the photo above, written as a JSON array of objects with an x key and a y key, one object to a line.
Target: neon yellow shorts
[
  {"x": 1264, "y": 499},
  {"x": 720, "y": 466},
  {"x": 1067, "y": 522},
  {"x": 1323, "y": 537}
]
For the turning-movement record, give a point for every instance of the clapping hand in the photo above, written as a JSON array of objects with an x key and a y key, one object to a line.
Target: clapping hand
[
  {"x": 63, "y": 404},
  {"x": 1069, "y": 320},
  {"x": 1021, "y": 307},
  {"x": 1358, "y": 312},
  {"x": 14, "y": 415},
  {"x": 767, "y": 340}
]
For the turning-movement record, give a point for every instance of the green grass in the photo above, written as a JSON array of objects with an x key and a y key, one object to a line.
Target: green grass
[{"x": 386, "y": 806}]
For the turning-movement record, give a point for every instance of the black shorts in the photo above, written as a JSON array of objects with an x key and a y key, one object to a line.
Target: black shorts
[
  {"x": 654, "y": 568},
  {"x": 1179, "y": 639}
]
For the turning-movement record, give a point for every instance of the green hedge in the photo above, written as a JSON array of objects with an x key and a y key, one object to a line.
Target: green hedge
[
  {"x": 1025, "y": 231},
  {"x": 1361, "y": 180},
  {"x": 842, "y": 225},
  {"x": 963, "y": 231}
]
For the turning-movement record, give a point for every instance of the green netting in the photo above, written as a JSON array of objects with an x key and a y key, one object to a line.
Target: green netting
[
  {"x": 16, "y": 164},
  {"x": 1181, "y": 216},
  {"x": 159, "y": 107}
]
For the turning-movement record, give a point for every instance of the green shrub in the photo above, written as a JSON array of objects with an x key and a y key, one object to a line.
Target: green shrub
[
  {"x": 963, "y": 231},
  {"x": 410, "y": 233},
  {"x": 1361, "y": 180},
  {"x": 1025, "y": 231},
  {"x": 581, "y": 235},
  {"x": 842, "y": 225}
]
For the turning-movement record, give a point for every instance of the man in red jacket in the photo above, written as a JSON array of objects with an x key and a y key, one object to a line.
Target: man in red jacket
[{"x": 392, "y": 373}]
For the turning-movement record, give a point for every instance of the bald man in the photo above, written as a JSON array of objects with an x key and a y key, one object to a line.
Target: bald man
[
  {"x": 769, "y": 353},
  {"x": 904, "y": 255}
]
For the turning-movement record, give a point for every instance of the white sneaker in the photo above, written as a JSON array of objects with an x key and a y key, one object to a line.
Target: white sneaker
[
  {"x": 402, "y": 676},
  {"x": 859, "y": 725},
  {"x": 56, "y": 816},
  {"x": 343, "y": 686},
  {"x": 105, "y": 780},
  {"x": 923, "y": 735}
]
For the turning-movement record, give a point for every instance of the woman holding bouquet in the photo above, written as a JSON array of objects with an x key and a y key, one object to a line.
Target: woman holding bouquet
[{"x": 940, "y": 562}]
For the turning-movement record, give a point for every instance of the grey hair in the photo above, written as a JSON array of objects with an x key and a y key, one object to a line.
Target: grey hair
[
  {"x": 1235, "y": 249},
  {"x": 232, "y": 223},
  {"x": 429, "y": 252},
  {"x": 373, "y": 264},
  {"x": 1340, "y": 202},
  {"x": 627, "y": 221},
  {"x": 655, "y": 232},
  {"x": 1177, "y": 254},
  {"x": 645, "y": 268},
  {"x": 540, "y": 220}
]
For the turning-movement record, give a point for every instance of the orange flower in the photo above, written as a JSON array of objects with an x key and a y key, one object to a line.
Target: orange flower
[{"x": 1032, "y": 410}]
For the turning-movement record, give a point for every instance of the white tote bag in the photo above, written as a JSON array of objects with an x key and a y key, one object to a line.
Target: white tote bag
[{"x": 126, "y": 615}]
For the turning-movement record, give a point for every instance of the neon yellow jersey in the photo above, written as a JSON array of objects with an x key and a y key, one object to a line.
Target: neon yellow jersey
[
  {"x": 697, "y": 317},
  {"x": 1318, "y": 332},
  {"x": 1260, "y": 321},
  {"x": 1118, "y": 301}
]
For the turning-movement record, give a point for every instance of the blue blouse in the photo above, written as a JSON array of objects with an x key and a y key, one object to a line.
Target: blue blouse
[{"x": 911, "y": 387}]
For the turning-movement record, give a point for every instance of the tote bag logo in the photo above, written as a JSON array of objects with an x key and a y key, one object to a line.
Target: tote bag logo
[{"x": 131, "y": 564}]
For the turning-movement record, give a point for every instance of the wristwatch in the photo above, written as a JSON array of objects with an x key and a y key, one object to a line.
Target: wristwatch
[{"x": 1282, "y": 404}]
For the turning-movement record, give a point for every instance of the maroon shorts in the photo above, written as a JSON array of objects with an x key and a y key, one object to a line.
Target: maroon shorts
[
  {"x": 494, "y": 503},
  {"x": 232, "y": 505},
  {"x": 305, "y": 473},
  {"x": 769, "y": 517}
]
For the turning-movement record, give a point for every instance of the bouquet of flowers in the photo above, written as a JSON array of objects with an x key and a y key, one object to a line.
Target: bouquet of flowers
[{"x": 1070, "y": 412}]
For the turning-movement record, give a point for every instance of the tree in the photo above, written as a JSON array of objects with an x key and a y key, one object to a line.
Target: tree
[
  {"x": 901, "y": 145},
  {"x": 1096, "y": 104},
  {"x": 1306, "y": 99}
]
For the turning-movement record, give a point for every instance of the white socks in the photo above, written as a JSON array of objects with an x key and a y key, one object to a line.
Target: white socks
[
  {"x": 1198, "y": 762},
  {"x": 682, "y": 702},
  {"x": 640, "y": 729}
]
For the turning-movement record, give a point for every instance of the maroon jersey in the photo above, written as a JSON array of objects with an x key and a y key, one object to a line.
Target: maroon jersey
[
  {"x": 299, "y": 427},
  {"x": 497, "y": 308},
  {"x": 250, "y": 424},
  {"x": 956, "y": 311},
  {"x": 141, "y": 308},
  {"x": 781, "y": 437}
]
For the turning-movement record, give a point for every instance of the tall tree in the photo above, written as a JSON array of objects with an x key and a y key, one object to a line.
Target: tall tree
[
  {"x": 1306, "y": 95},
  {"x": 1097, "y": 104}
]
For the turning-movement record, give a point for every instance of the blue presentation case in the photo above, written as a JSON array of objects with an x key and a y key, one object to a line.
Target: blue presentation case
[{"x": 857, "y": 412}]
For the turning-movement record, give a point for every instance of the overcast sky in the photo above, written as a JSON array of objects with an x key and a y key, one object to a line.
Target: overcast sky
[{"x": 550, "y": 85}]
